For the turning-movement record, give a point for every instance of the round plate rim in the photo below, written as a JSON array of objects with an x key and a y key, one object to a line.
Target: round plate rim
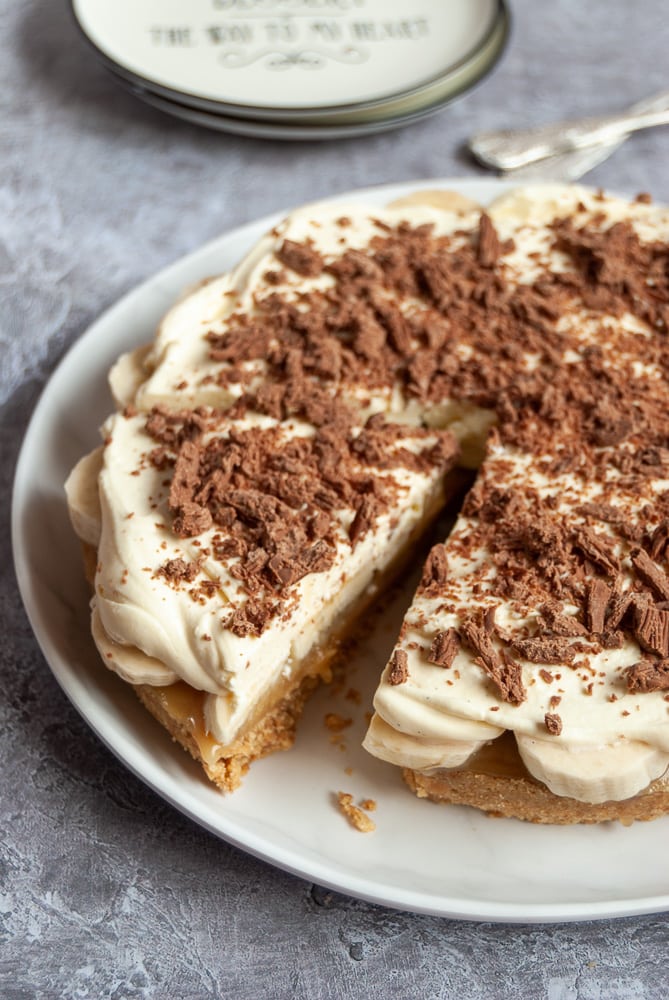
[{"x": 255, "y": 128}]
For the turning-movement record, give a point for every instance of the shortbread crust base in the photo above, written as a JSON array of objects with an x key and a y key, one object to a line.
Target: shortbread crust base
[
  {"x": 500, "y": 785},
  {"x": 226, "y": 766}
]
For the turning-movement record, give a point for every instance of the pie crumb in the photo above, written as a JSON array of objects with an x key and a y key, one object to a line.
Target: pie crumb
[
  {"x": 354, "y": 814},
  {"x": 335, "y": 722}
]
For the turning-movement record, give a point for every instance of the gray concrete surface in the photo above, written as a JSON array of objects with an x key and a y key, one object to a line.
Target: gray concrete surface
[{"x": 106, "y": 891}]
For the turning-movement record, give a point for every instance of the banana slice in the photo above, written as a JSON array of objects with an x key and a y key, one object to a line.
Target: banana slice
[
  {"x": 127, "y": 375},
  {"x": 83, "y": 500},
  {"x": 407, "y": 751},
  {"x": 538, "y": 203},
  {"x": 446, "y": 201},
  {"x": 593, "y": 775},
  {"x": 128, "y": 662}
]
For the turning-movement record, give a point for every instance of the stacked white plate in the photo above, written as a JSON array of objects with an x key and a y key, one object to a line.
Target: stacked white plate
[{"x": 297, "y": 69}]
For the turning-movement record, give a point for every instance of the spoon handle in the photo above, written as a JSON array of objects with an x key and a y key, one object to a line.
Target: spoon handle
[{"x": 508, "y": 149}]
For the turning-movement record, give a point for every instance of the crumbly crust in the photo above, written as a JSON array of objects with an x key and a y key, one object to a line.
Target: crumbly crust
[
  {"x": 274, "y": 732},
  {"x": 524, "y": 798}
]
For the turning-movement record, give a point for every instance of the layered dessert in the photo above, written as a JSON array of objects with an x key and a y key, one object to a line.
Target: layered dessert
[{"x": 297, "y": 425}]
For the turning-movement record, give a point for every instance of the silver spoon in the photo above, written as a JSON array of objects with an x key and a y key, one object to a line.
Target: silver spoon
[
  {"x": 510, "y": 149},
  {"x": 564, "y": 166},
  {"x": 574, "y": 164}
]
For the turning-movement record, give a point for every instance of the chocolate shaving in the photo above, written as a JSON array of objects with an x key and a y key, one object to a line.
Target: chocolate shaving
[
  {"x": 285, "y": 570},
  {"x": 510, "y": 681},
  {"x": 489, "y": 620},
  {"x": 250, "y": 619},
  {"x": 617, "y": 610},
  {"x": 651, "y": 628},
  {"x": 505, "y": 673},
  {"x": 489, "y": 247},
  {"x": 186, "y": 476},
  {"x": 597, "y": 549},
  {"x": 650, "y": 574},
  {"x": 191, "y": 520},
  {"x": 300, "y": 257},
  {"x": 606, "y": 425},
  {"x": 612, "y": 640},
  {"x": 602, "y": 512},
  {"x": 544, "y": 650},
  {"x": 598, "y": 595},
  {"x": 553, "y": 723},
  {"x": 364, "y": 518},
  {"x": 561, "y": 624},
  {"x": 444, "y": 648},
  {"x": 435, "y": 571},
  {"x": 160, "y": 458},
  {"x": 659, "y": 541},
  {"x": 648, "y": 675},
  {"x": 178, "y": 570},
  {"x": 399, "y": 667},
  {"x": 478, "y": 637}
]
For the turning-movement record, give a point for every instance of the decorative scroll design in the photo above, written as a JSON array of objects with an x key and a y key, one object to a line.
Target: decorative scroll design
[{"x": 302, "y": 58}]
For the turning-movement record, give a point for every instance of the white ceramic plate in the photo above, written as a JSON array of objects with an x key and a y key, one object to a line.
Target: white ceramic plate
[{"x": 443, "y": 860}]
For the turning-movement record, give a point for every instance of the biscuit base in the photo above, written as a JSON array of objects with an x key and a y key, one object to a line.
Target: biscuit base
[
  {"x": 502, "y": 786},
  {"x": 275, "y": 731}
]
